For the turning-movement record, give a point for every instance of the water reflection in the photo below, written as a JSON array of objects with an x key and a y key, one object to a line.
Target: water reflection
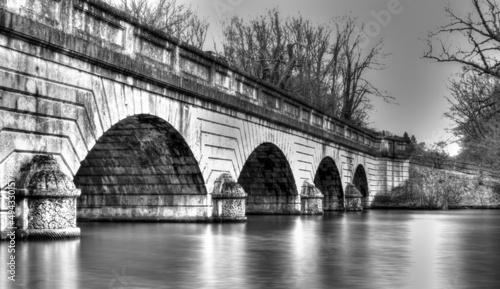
[
  {"x": 42, "y": 265},
  {"x": 375, "y": 249}
]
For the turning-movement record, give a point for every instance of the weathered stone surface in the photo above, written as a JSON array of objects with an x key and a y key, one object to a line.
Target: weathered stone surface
[
  {"x": 269, "y": 182},
  {"x": 228, "y": 199},
  {"x": 353, "y": 204},
  {"x": 77, "y": 87},
  {"x": 311, "y": 199},
  {"x": 139, "y": 164},
  {"x": 48, "y": 201},
  {"x": 353, "y": 198},
  {"x": 429, "y": 188},
  {"x": 52, "y": 213}
]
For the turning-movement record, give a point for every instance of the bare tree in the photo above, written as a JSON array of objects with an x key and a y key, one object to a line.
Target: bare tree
[
  {"x": 178, "y": 20},
  {"x": 323, "y": 63},
  {"x": 274, "y": 50},
  {"x": 474, "y": 103},
  {"x": 475, "y": 92},
  {"x": 437, "y": 154},
  {"x": 475, "y": 109},
  {"x": 354, "y": 88},
  {"x": 479, "y": 34}
]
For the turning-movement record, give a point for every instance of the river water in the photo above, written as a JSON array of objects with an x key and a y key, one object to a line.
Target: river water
[{"x": 373, "y": 249}]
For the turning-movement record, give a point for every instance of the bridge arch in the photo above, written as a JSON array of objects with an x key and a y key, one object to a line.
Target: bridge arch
[
  {"x": 360, "y": 180},
  {"x": 142, "y": 169},
  {"x": 328, "y": 180},
  {"x": 268, "y": 180},
  {"x": 68, "y": 98}
]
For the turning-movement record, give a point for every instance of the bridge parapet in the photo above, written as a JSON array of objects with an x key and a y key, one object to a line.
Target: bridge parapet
[{"x": 113, "y": 39}]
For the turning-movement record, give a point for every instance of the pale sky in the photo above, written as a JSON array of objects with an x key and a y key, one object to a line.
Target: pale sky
[{"x": 419, "y": 85}]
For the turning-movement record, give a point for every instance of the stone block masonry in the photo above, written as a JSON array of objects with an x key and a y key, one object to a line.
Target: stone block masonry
[{"x": 145, "y": 124}]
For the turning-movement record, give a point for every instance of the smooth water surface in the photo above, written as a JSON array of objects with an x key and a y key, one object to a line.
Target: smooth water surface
[{"x": 374, "y": 249}]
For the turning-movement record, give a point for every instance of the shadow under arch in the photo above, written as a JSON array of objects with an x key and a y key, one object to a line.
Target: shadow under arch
[
  {"x": 360, "y": 180},
  {"x": 329, "y": 182},
  {"x": 141, "y": 169},
  {"x": 268, "y": 181}
]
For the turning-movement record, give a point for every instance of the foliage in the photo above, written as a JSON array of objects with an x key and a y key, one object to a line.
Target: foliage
[
  {"x": 323, "y": 63},
  {"x": 178, "y": 20}
]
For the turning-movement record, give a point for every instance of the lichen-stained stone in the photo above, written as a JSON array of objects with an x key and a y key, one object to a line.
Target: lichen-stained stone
[
  {"x": 311, "y": 199},
  {"x": 353, "y": 198},
  {"x": 229, "y": 200},
  {"x": 52, "y": 213},
  {"x": 46, "y": 201}
]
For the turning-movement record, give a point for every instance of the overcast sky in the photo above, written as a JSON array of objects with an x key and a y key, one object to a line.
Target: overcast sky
[{"x": 419, "y": 85}]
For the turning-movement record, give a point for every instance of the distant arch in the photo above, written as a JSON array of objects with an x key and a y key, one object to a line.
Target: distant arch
[
  {"x": 268, "y": 180},
  {"x": 329, "y": 182},
  {"x": 360, "y": 180}
]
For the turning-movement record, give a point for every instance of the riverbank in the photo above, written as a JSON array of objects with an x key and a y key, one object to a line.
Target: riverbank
[{"x": 432, "y": 189}]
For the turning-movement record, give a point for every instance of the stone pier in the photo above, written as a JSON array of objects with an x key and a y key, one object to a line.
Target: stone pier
[
  {"x": 229, "y": 200},
  {"x": 45, "y": 202},
  {"x": 311, "y": 200},
  {"x": 144, "y": 124}
]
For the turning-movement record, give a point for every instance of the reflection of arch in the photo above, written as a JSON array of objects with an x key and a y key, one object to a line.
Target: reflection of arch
[
  {"x": 268, "y": 180},
  {"x": 137, "y": 170},
  {"x": 328, "y": 181},
  {"x": 360, "y": 180}
]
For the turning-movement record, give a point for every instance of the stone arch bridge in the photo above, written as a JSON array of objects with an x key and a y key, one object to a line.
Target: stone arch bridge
[{"x": 145, "y": 125}]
